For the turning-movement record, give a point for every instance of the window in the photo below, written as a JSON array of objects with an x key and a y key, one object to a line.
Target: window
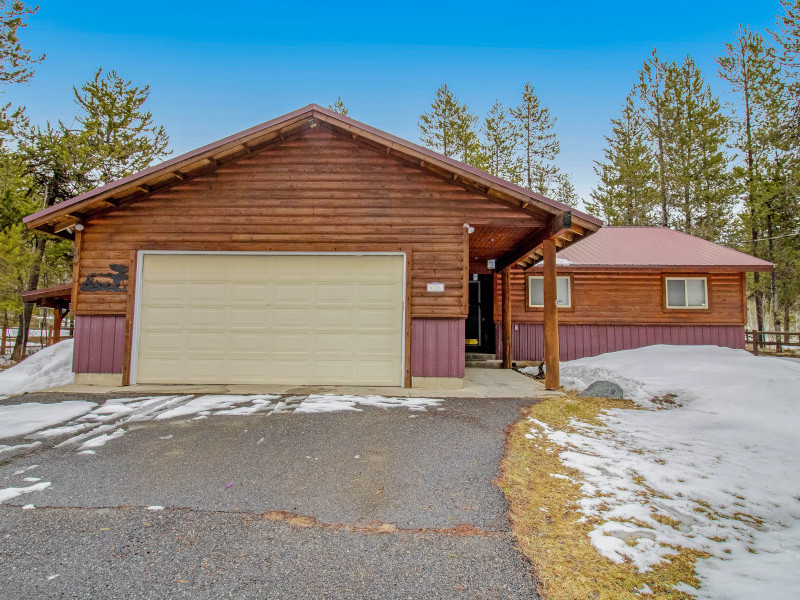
[
  {"x": 536, "y": 291},
  {"x": 687, "y": 292}
]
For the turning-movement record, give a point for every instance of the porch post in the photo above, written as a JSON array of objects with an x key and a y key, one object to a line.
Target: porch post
[
  {"x": 552, "y": 367},
  {"x": 507, "y": 358},
  {"x": 57, "y": 320}
]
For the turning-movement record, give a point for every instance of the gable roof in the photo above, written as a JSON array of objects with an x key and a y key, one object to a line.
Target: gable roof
[
  {"x": 653, "y": 247},
  {"x": 59, "y": 218}
]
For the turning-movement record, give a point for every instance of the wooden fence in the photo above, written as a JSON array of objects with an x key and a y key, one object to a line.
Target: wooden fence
[
  {"x": 37, "y": 338},
  {"x": 771, "y": 342}
]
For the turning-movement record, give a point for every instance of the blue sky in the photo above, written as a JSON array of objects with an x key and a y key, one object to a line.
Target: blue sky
[{"x": 217, "y": 68}]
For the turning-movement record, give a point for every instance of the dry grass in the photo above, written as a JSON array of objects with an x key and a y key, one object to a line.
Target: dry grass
[{"x": 565, "y": 563}]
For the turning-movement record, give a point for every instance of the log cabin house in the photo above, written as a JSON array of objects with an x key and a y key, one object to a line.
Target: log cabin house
[
  {"x": 628, "y": 287},
  {"x": 315, "y": 249}
]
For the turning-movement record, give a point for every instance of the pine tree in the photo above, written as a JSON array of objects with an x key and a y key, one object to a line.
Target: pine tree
[
  {"x": 652, "y": 78},
  {"x": 116, "y": 128},
  {"x": 700, "y": 190},
  {"x": 449, "y": 127},
  {"x": 339, "y": 107},
  {"x": 16, "y": 62},
  {"x": 538, "y": 141},
  {"x": 565, "y": 192},
  {"x": 499, "y": 145},
  {"x": 626, "y": 194},
  {"x": 761, "y": 111}
]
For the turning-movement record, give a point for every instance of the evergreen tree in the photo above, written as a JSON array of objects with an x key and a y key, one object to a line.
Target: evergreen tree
[
  {"x": 626, "y": 194},
  {"x": 652, "y": 79},
  {"x": 538, "y": 141},
  {"x": 449, "y": 127},
  {"x": 339, "y": 107},
  {"x": 564, "y": 191},
  {"x": 16, "y": 62},
  {"x": 761, "y": 110},
  {"x": 695, "y": 131},
  {"x": 500, "y": 143},
  {"x": 115, "y": 127}
]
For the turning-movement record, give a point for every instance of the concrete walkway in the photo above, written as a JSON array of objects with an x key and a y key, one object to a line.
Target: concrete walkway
[{"x": 478, "y": 383}]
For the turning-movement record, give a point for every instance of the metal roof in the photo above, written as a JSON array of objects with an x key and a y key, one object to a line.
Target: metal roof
[{"x": 650, "y": 247}]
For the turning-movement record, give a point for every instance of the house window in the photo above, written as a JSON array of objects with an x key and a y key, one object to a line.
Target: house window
[
  {"x": 687, "y": 292},
  {"x": 536, "y": 291}
]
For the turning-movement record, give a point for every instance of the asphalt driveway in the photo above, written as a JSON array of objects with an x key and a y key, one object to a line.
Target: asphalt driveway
[{"x": 371, "y": 504}]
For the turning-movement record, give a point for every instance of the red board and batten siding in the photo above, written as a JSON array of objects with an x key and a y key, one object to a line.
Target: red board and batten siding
[
  {"x": 437, "y": 348},
  {"x": 578, "y": 341},
  {"x": 99, "y": 344}
]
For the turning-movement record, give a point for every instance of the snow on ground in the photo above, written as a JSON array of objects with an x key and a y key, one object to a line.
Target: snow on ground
[
  {"x": 21, "y": 419},
  {"x": 93, "y": 426},
  {"x": 48, "y": 368},
  {"x": 719, "y": 460},
  {"x": 318, "y": 403},
  {"x": 13, "y": 492}
]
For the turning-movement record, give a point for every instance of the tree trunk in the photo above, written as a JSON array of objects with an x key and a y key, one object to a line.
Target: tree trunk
[
  {"x": 27, "y": 308},
  {"x": 787, "y": 339}
]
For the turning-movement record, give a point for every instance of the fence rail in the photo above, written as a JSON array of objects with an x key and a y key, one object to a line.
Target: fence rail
[
  {"x": 37, "y": 338},
  {"x": 760, "y": 342}
]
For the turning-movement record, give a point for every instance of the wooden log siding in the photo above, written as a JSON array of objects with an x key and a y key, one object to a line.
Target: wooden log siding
[
  {"x": 316, "y": 192},
  {"x": 632, "y": 297}
]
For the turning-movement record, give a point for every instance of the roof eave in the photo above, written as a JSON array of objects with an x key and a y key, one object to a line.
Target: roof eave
[{"x": 66, "y": 214}]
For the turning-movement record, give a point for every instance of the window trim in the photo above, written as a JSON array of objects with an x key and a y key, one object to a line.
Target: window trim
[
  {"x": 535, "y": 307},
  {"x": 685, "y": 279}
]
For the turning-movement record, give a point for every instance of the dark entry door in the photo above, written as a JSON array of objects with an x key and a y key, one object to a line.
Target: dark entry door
[{"x": 479, "y": 329}]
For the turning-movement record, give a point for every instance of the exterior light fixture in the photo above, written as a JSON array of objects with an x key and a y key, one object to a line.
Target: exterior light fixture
[
  {"x": 312, "y": 122},
  {"x": 469, "y": 228},
  {"x": 79, "y": 227}
]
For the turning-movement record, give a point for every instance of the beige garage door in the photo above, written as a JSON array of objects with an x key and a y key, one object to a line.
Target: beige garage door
[{"x": 289, "y": 319}]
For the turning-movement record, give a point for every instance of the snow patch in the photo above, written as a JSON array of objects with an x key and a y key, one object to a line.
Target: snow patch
[
  {"x": 320, "y": 403},
  {"x": 101, "y": 440},
  {"x": 13, "y": 492},
  {"x": 715, "y": 468},
  {"x": 21, "y": 419},
  {"x": 204, "y": 405},
  {"x": 47, "y": 368}
]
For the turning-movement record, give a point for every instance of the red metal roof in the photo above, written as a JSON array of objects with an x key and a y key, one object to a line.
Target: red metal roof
[{"x": 645, "y": 247}]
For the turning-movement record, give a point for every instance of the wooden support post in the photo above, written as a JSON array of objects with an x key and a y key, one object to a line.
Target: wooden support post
[
  {"x": 5, "y": 341},
  {"x": 58, "y": 317},
  {"x": 507, "y": 358},
  {"x": 552, "y": 379}
]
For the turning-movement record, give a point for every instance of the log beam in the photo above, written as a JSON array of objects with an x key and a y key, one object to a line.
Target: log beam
[
  {"x": 552, "y": 379},
  {"x": 557, "y": 225},
  {"x": 507, "y": 333}
]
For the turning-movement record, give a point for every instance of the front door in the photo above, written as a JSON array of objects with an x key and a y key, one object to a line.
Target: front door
[{"x": 479, "y": 329}]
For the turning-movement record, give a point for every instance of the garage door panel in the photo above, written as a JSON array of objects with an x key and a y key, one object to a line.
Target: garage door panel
[
  {"x": 281, "y": 317},
  {"x": 257, "y": 318},
  {"x": 206, "y": 317},
  {"x": 205, "y": 293},
  {"x": 305, "y": 319},
  {"x": 166, "y": 293},
  {"x": 283, "y": 292}
]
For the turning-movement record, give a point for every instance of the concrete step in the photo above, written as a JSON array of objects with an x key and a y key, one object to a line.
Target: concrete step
[
  {"x": 470, "y": 356},
  {"x": 483, "y": 364}
]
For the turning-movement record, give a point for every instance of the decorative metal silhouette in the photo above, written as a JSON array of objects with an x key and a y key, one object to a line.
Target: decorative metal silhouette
[{"x": 109, "y": 282}]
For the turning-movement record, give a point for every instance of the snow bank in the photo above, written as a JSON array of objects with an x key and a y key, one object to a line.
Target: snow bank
[
  {"x": 45, "y": 369},
  {"x": 21, "y": 419},
  {"x": 721, "y": 462}
]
